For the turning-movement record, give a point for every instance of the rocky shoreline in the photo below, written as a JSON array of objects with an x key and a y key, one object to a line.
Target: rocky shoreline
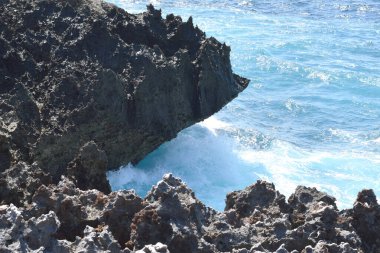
[
  {"x": 63, "y": 218},
  {"x": 85, "y": 87}
]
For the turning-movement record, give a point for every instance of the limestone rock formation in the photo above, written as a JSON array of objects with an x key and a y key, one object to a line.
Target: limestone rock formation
[
  {"x": 19, "y": 234},
  {"x": 366, "y": 220},
  {"x": 63, "y": 218},
  {"x": 77, "y": 71},
  {"x": 88, "y": 169},
  {"x": 77, "y": 209},
  {"x": 172, "y": 216},
  {"x": 20, "y": 181},
  {"x": 86, "y": 86}
]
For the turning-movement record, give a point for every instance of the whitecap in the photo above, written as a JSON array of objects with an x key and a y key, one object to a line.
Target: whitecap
[
  {"x": 339, "y": 174},
  {"x": 324, "y": 77},
  {"x": 291, "y": 105}
]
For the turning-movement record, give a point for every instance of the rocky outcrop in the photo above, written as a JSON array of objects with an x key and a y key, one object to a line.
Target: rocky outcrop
[
  {"x": 20, "y": 234},
  {"x": 366, "y": 220},
  {"x": 172, "y": 216},
  {"x": 86, "y": 86},
  {"x": 20, "y": 181},
  {"x": 77, "y": 71},
  {"x": 77, "y": 209},
  {"x": 63, "y": 218}
]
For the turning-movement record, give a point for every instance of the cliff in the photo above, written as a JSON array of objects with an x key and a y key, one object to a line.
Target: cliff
[
  {"x": 85, "y": 87},
  {"x": 77, "y": 71}
]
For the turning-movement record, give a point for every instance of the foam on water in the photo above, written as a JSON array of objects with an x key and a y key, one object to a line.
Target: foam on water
[
  {"x": 208, "y": 162},
  {"x": 310, "y": 116},
  {"x": 213, "y": 157}
]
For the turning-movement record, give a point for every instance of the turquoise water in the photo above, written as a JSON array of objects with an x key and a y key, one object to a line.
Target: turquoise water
[{"x": 310, "y": 116}]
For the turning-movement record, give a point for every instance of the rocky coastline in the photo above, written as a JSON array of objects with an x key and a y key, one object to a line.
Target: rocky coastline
[
  {"x": 258, "y": 219},
  {"x": 86, "y": 87}
]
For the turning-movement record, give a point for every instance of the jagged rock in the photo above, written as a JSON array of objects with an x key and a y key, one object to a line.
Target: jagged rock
[
  {"x": 366, "y": 220},
  {"x": 85, "y": 70},
  {"x": 367, "y": 197},
  {"x": 84, "y": 75},
  {"x": 282, "y": 249},
  {"x": 19, "y": 234},
  {"x": 322, "y": 247},
  {"x": 259, "y": 195},
  {"x": 63, "y": 218},
  {"x": 38, "y": 231},
  {"x": 18, "y": 183},
  {"x": 88, "y": 169},
  {"x": 173, "y": 216},
  {"x": 259, "y": 214},
  {"x": 305, "y": 196},
  {"x": 77, "y": 209},
  {"x": 11, "y": 225},
  {"x": 96, "y": 240}
]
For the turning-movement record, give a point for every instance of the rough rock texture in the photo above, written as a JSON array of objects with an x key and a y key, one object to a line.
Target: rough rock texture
[
  {"x": 157, "y": 248},
  {"x": 88, "y": 169},
  {"x": 77, "y": 71},
  {"x": 20, "y": 181},
  {"x": 173, "y": 216},
  {"x": 86, "y": 86},
  {"x": 366, "y": 220},
  {"x": 77, "y": 209},
  {"x": 63, "y": 218},
  {"x": 20, "y": 234}
]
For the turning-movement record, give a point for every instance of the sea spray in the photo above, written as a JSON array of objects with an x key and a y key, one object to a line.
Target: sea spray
[{"x": 311, "y": 115}]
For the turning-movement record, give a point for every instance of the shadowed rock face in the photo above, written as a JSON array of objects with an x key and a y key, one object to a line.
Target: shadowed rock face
[
  {"x": 77, "y": 71},
  {"x": 366, "y": 219},
  {"x": 88, "y": 169},
  {"x": 86, "y": 86}
]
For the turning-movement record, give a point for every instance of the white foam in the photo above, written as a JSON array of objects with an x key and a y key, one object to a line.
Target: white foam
[
  {"x": 208, "y": 163},
  {"x": 340, "y": 174},
  {"x": 324, "y": 77},
  {"x": 213, "y": 124},
  {"x": 213, "y": 162}
]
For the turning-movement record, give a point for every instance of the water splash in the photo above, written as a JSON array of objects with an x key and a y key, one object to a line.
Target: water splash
[{"x": 310, "y": 116}]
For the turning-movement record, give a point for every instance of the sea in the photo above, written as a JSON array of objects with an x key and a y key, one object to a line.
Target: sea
[{"x": 310, "y": 116}]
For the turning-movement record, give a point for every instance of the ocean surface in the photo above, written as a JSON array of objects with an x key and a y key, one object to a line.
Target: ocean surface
[{"x": 311, "y": 115}]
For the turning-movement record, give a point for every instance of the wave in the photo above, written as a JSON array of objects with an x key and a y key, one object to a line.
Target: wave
[
  {"x": 213, "y": 159},
  {"x": 310, "y": 115}
]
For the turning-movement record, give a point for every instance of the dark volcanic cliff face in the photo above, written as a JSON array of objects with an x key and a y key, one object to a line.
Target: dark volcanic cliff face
[
  {"x": 85, "y": 86},
  {"x": 77, "y": 71}
]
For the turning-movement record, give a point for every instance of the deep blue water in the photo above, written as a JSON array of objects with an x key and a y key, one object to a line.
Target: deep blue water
[{"x": 310, "y": 116}]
